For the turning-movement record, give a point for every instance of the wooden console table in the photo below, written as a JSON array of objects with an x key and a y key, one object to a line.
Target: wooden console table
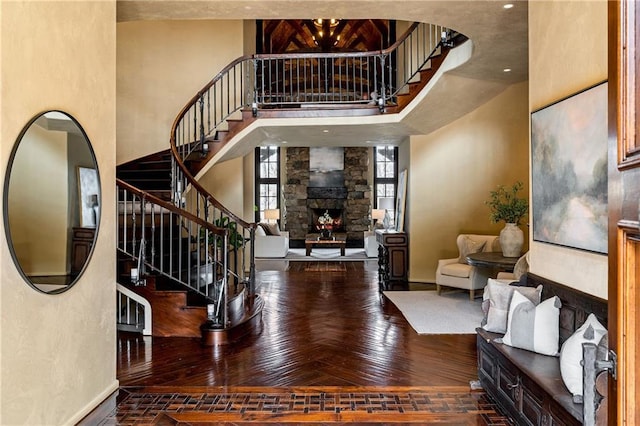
[{"x": 393, "y": 258}]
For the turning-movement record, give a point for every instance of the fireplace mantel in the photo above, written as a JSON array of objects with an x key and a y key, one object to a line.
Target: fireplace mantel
[{"x": 339, "y": 193}]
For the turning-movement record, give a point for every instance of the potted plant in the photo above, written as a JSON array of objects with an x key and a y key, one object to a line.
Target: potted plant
[{"x": 507, "y": 206}]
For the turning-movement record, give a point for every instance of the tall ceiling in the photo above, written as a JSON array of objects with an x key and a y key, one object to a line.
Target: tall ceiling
[
  {"x": 324, "y": 35},
  {"x": 495, "y": 57}
]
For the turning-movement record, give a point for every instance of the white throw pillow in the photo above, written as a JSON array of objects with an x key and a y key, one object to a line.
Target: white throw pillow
[
  {"x": 571, "y": 354},
  {"x": 499, "y": 295},
  {"x": 534, "y": 328}
]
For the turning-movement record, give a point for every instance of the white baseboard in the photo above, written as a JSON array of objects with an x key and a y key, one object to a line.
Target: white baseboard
[{"x": 94, "y": 403}]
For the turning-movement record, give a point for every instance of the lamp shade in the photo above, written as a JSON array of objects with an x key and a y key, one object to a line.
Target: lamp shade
[
  {"x": 272, "y": 214},
  {"x": 386, "y": 203},
  {"x": 377, "y": 214}
]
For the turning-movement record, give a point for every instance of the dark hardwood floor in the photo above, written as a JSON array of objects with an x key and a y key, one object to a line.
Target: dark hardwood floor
[{"x": 332, "y": 349}]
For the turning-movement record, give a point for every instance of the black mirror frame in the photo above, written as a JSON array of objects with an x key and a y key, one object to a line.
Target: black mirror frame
[{"x": 5, "y": 207}]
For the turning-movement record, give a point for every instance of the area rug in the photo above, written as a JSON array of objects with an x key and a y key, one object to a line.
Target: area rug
[
  {"x": 428, "y": 313},
  {"x": 325, "y": 267},
  {"x": 328, "y": 254}
]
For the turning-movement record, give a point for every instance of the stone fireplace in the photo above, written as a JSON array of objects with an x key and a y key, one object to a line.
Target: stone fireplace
[{"x": 305, "y": 200}]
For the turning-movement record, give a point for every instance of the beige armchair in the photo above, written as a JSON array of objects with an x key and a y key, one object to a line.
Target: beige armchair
[{"x": 457, "y": 273}]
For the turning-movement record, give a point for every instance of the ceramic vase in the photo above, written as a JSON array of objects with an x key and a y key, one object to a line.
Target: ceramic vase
[
  {"x": 511, "y": 240},
  {"x": 325, "y": 233}
]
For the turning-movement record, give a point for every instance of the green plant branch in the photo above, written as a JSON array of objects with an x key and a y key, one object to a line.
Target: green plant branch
[{"x": 506, "y": 206}]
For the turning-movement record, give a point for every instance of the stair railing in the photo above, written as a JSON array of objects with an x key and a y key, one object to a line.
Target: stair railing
[
  {"x": 255, "y": 82},
  {"x": 133, "y": 312},
  {"x": 174, "y": 243},
  {"x": 299, "y": 79}
]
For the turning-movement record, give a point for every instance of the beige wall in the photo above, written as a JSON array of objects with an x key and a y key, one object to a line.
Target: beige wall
[
  {"x": 57, "y": 353},
  {"x": 452, "y": 171},
  {"x": 225, "y": 182},
  {"x": 161, "y": 66},
  {"x": 556, "y": 70},
  {"x": 249, "y": 36},
  {"x": 41, "y": 154}
]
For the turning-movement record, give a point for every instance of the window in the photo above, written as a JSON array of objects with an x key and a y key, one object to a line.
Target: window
[
  {"x": 267, "y": 179},
  {"x": 385, "y": 177}
]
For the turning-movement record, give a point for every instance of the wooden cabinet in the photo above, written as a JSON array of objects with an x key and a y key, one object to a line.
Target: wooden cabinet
[
  {"x": 393, "y": 258},
  {"x": 82, "y": 241},
  {"x": 520, "y": 397}
]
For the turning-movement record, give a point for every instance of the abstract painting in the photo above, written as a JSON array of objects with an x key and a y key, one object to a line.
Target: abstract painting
[
  {"x": 326, "y": 167},
  {"x": 569, "y": 171}
]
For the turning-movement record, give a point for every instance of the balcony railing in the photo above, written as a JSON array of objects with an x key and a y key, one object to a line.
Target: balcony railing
[{"x": 298, "y": 79}]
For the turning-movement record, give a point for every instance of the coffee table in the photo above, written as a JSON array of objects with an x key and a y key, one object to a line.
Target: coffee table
[{"x": 315, "y": 241}]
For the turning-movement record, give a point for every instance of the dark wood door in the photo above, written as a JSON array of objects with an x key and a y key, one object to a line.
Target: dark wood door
[{"x": 624, "y": 210}]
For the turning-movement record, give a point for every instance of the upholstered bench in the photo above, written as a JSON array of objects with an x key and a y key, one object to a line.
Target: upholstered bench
[{"x": 526, "y": 385}]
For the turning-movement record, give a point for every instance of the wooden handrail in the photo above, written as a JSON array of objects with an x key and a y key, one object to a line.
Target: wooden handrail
[{"x": 169, "y": 206}]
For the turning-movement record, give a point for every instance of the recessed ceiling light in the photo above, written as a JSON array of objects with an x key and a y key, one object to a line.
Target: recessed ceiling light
[
  {"x": 325, "y": 131},
  {"x": 507, "y": 70},
  {"x": 508, "y": 6},
  {"x": 284, "y": 141}
]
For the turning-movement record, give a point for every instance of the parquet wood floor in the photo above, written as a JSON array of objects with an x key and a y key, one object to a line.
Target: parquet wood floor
[{"x": 332, "y": 349}]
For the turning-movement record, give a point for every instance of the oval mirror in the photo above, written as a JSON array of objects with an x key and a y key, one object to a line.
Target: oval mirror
[{"x": 52, "y": 202}]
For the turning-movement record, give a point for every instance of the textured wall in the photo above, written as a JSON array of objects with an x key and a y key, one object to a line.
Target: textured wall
[
  {"x": 224, "y": 182},
  {"x": 557, "y": 70},
  {"x": 161, "y": 65},
  {"x": 57, "y": 353},
  {"x": 452, "y": 171}
]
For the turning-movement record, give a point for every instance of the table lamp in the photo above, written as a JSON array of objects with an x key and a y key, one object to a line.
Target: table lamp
[
  {"x": 272, "y": 214},
  {"x": 377, "y": 215}
]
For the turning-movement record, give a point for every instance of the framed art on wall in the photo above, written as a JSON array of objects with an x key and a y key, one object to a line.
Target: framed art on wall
[
  {"x": 326, "y": 167},
  {"x": 88, "y": 187},
  {"x": 569, "y": 171}
]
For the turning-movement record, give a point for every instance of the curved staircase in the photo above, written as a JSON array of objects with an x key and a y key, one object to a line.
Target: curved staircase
[{"x": 192, "y": 259}]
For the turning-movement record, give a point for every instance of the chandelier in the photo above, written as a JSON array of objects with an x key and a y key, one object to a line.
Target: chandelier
[
  {"x": 320, "y": 22},
  {"x": 326, "y": 27}
]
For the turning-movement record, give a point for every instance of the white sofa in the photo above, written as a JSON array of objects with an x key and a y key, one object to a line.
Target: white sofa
[
  {"x": 455, "y": 272},
  {"x": 271, "y": 245}
]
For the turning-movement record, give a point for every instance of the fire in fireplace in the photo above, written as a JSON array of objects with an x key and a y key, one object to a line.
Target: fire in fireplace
[{"x": 331, "y": 219}]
